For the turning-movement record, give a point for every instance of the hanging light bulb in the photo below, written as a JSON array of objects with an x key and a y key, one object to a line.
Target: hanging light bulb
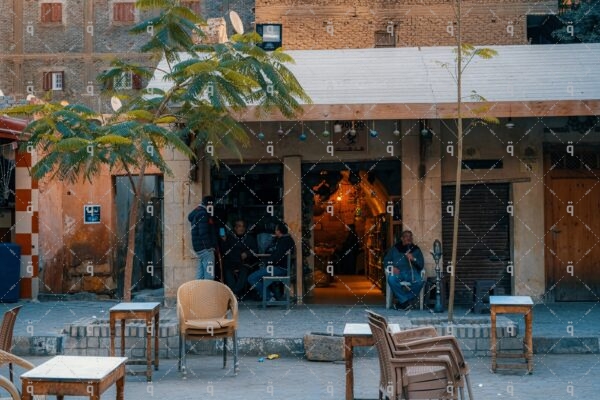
[
  {"x": 260, "y": 136},
  {"x": 509, "y": 124},
  {"x": 373, "y": 132},
  {"x": 280, "y": 131},
  {"x": 302, "y": 136},
  {"x": 396, "y": 131},
  {"x": 352, "y": 130},
  {"x": 326, "y": 131}
]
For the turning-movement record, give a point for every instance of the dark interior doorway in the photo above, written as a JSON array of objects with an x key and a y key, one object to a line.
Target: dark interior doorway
[
  {"x": 7, "y": 190},
  {"x": 149, "y": 249}
]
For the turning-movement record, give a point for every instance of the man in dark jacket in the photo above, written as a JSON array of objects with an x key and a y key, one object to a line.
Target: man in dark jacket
[
  {"x": 406, "y": 260},
  {"x": 238, "y": 250},
  {"x": 204, "y": 238},
  {"x": 276, "y": 263}
]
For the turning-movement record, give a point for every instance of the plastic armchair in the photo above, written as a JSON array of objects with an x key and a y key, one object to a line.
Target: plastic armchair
[
  {"x": 389, "y": 295},
  {"x": 207, "y": 310},
  {"x": 411, "y": 376},
  {"x": 425, "y": 341}
]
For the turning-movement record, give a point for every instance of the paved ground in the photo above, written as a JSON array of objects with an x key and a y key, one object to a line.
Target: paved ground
[
  {"x": 550, "y": 320},
  {"x": 554, "y": 377}
]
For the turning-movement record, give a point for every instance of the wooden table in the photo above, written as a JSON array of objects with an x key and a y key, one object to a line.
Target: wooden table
[
  {"x": 513, "y": 305},
  {"x": 75, "y": 376},
  {"x": 357, "y": 335},
  {"x": 143, "y": 311}
]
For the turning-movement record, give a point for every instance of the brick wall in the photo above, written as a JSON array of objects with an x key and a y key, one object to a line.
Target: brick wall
[{"x": 315, "y": 24}]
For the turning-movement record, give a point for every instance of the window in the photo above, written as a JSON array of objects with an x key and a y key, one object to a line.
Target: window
[
  {"x": 51, "y": 12},
  {"x": 126, "y": 81},
  {"x": 54, "y": 80},
  {"x": 540, "y": 28},
  {"x": 123, "y": 12},
  {"x": 192, "y": 5},
  {"x": 385, "y": 39}
]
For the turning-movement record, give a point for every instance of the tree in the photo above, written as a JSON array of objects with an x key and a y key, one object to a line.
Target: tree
[
  {"x": 210, "y": 85},
  {"x": 581, "y": 23},
  {"x": 465, "y": 53}
]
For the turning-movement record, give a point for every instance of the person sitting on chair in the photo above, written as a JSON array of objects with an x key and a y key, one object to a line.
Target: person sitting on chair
[
  {"x": 407, "y": 261},
  {"x": 278, "y": 250},
  {"x": 239, "y": 250}
]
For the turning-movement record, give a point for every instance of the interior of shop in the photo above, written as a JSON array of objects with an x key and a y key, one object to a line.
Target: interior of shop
[
  {"x": 7, "y": 190},
  {"x": 347, "y": 224}
]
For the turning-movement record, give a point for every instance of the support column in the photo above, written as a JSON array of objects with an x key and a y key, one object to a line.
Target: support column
[
  {"x": 422, "y": 187},
  {"x": 292, "y": 211}
]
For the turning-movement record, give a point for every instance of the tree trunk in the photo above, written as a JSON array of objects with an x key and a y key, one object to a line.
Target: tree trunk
[
  {"x": 133, "y": 214},
  {"x": 458, "y": 165}
]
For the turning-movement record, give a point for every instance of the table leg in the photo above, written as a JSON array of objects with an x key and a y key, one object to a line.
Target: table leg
[
  {"x": 349, "y": 370},
  {"x": 122, "y": 337},
  {"x": 28, "y": 391},
  {"x": 59, "y": 397},
  {"x": 493, "y": 337},
  {"x": 121, "y": 388},
  {"x": 149, "y": 348},
  {"x": 156, "y": 333},
  {"x": 94, "y": 391},
  {"x": 112, "y": 336},
  {"x": 529, "y": 340}
]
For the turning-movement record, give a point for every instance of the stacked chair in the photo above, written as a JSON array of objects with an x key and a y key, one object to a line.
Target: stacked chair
[{"x": 418, "y": 364}]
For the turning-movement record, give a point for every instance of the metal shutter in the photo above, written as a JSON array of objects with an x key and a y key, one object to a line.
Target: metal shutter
[{"x": 483, "y": 237}]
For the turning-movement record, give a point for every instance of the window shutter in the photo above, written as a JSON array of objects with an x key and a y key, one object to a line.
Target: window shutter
[
  {"x": 124, "y": 12},
  {"x": 56, "y": 12},
  {"x": 108, "y": 84},
  {"x": 47, "y": 81},
  {"x": 136, "y": 81},
  {"x": 62, "y": 76},
  {"x": 46, "y": 12}
]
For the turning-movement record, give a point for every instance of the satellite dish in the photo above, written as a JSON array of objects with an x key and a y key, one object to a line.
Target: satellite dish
[
  {"x": 236, "y": 22},
  {"x": 64, "y": 103},
  {"x": 30, "y": 97},
  {"x": 115, "y": 103},
  {"x": 1, "y": 93}
]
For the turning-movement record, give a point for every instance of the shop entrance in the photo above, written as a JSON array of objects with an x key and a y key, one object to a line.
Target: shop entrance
[{"x": 346, "y": 223}]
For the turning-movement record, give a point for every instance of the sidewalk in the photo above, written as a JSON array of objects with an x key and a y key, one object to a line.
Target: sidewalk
[
  {"x": 554, "y": 377},
  {"x": 557, "y": 328}
]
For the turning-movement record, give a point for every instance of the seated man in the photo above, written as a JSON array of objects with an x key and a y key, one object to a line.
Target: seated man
[
  {"x": 407, "y": 261},
  {"x": 238, "y": 250},
  {"x": 279, "y": 249}
]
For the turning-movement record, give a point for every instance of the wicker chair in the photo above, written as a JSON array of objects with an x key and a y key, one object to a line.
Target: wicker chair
[
  {"x": 207, "y": 310},
  {"x": 10, "y": 359},
  {"x": 414, "y": 374},
  {"x": 426, "y": 338},
  {"x": 6, "y": 333}
]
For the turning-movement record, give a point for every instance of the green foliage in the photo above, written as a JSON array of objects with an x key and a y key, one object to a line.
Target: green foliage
[
  {"x": 585, "y": 21},
  {"x": 210, "y": 83}
]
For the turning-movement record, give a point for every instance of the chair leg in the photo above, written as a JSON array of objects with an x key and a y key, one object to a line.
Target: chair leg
[
  {"x": 236, "y": 364},
  {"x": 10, "y": 371},
  {"x": 224, "y": 352},
  {"x": 462, "y": 393},
  {"x": 288, "y": 289},
  {"x": 469, "y": 390},
  {"x": 180, "y": 352},
  {"x": 183, "y": 357},
  {"x": 264, "y": 295}
]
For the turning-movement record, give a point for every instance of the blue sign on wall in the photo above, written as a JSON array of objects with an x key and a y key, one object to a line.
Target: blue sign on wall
[{"x": 91, "y": 214}]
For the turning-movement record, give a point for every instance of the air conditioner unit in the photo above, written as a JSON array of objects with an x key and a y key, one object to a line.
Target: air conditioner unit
[{"x": 271, "y": 35}]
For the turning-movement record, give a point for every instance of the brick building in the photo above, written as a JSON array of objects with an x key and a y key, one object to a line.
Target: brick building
[
  {"x": 316, "y": 24},
  {"x": 59, "y": 47}
]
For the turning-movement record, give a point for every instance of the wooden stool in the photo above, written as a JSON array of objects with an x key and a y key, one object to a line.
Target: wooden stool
[{"x": 513, "y": 305}]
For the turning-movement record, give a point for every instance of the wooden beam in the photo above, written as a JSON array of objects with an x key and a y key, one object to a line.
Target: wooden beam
[{"x": 516, "y": 109}]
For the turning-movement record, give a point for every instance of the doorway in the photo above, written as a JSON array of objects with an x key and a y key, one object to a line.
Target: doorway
[
  {"x": 7, "y": 190},
  {"x": 572, "y": 200},
  {"x": 149, "y": 249},
  {"x": 347, "y": 230}
]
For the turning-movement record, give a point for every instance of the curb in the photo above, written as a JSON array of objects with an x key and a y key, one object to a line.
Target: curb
[{"x": 51, "y": 345}]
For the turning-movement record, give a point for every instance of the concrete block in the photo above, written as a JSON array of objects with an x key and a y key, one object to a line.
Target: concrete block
[
  {"x": 324, "y": 347},
  {"x": 570, "y": 345},
  {"x": 511, "y": 343},
  {"x": 93, "y": 342},
  {"x": 141, "y": 353},
  {"x": 468, "y": 344},
  {"x": 284, "y": 347}
]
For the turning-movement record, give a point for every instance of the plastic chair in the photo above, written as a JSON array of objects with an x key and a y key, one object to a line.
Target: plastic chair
[
  {"x": 6, "y": 333},
  {"x": 207, "y": 310},
  {"x": 286, "y": 280},
  {"x": 424, "y": 342}
]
